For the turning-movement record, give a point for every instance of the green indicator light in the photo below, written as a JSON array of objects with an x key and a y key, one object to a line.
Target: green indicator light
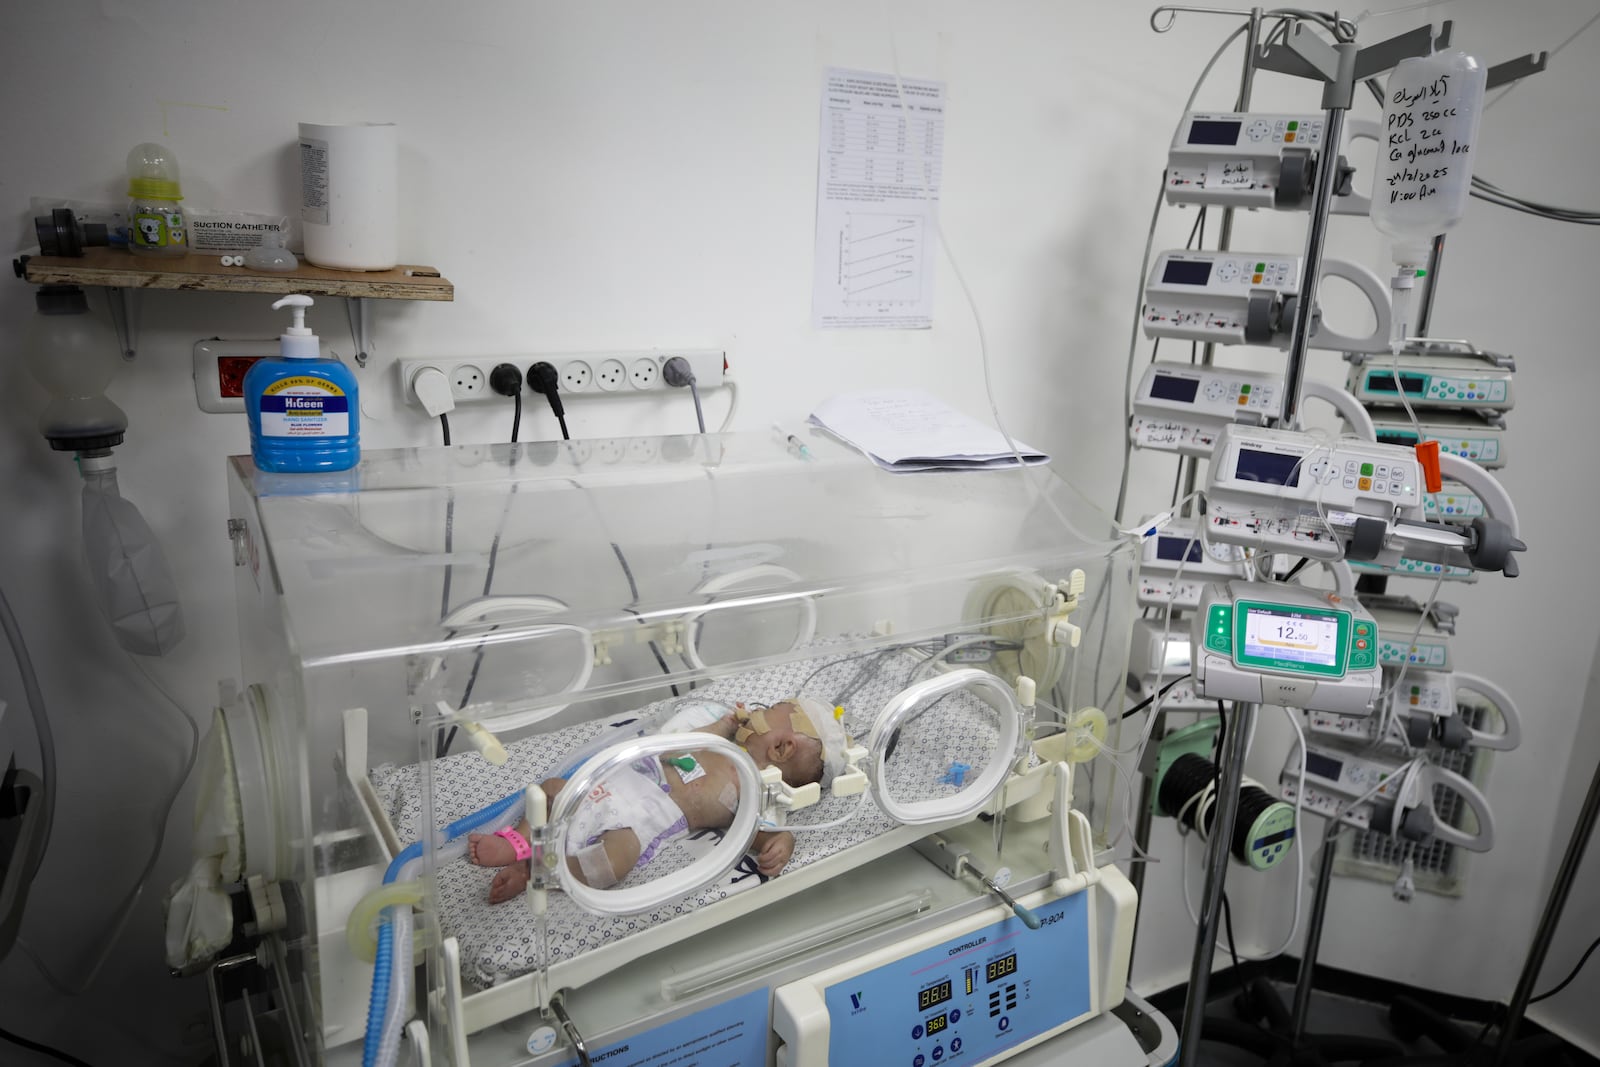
[
  {"x": 1260, "y": 267},
  {"x": 1366, "y": 470},
  {"x": 1245, "y": 388},
  {"x": 1294, "y": 125}
]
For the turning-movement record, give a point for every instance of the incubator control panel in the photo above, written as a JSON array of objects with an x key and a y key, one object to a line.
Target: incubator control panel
[
  {"x": 1432, "y": 383},
  {"x": 1176, "y": 566},
  {"x": 1280, "y": 644},
  {"x": 964, "y": 1000},
  {"x": 1235, "y": 159},
  {"x": 1288, "y": 491},
  {"x": 1470, "y": 436},
  {"x": 1180, "y": 407}
]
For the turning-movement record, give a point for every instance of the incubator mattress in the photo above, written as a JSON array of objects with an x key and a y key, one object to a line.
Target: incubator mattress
[{"x": 498, "y": 941}]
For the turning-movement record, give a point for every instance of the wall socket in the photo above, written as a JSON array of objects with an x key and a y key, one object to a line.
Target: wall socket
[
  {"x": 220, "y": 364},
  {"x": 580, "y": 373}
]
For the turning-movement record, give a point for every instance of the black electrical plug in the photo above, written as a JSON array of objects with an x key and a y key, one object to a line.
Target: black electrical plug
[
  {"x": 677, "y": 372},
  {"x": 505, "y": 379},
  {"x": 542, "y": 379}
]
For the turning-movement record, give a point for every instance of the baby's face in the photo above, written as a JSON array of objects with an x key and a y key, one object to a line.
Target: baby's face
[{"x": 772, "y": 747}]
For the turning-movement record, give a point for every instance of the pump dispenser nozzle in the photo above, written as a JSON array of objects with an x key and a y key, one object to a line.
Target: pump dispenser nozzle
[{"x": 298, "y": 342}]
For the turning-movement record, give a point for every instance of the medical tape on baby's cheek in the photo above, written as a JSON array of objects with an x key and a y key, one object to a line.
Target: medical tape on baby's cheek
[
  {"x": 755, "y": 722},
  {"x": 596, "y": 866}
]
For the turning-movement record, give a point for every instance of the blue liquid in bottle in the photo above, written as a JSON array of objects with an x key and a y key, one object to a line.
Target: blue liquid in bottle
[{"x": 304, "y": 409}]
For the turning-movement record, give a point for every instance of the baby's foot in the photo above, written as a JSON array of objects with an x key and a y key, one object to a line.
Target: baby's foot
[
  {"x": 509, "y": 882},
  {"x": 489, "y": 850}
]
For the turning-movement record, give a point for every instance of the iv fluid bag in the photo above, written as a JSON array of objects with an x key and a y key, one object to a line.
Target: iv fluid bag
[
  {"x": 130, "y": 574},
  {"x": 1431, "y": 110}
]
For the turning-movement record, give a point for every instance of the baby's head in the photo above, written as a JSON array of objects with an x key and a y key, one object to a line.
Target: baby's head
[{"x": 787, "y": 735}]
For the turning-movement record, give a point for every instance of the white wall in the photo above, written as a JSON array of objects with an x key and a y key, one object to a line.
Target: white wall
[{"x": 636, "y": 174}]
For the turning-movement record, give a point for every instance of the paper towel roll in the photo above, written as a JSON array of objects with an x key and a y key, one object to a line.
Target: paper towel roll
[{"x": 349, "y": 207}]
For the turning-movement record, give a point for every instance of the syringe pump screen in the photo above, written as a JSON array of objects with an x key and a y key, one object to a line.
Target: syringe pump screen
[
  {"x": 1269, "y": 468},
  {"x": 1414, "y": 384},
  {"x": 1210, "y": 131},
  {"x": 1169, "y": 387},
  {"x": 1272, "y": 635},
  {"x": 1186, "y": 549},
  {"x": 1323, "y": 766},
  {"x": 1186, "y": 272}
]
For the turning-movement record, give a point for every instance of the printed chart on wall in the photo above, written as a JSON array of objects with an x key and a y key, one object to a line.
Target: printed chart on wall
[{"x": 878, "y": 172}]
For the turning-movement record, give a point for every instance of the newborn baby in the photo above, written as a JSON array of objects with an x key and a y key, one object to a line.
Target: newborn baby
[{"x": 630, "y": 814}]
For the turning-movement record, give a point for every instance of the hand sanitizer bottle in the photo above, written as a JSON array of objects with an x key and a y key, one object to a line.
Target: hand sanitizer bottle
[{"x": 303, "y": 407}]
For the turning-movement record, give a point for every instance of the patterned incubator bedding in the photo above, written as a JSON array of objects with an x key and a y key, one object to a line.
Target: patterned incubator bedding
[{"x": 936, "y": 752}]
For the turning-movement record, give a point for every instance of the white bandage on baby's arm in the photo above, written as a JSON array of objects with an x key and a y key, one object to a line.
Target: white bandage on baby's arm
[
  {"x": 729, "y": 798},
  {"x": 595, "y": 865}
]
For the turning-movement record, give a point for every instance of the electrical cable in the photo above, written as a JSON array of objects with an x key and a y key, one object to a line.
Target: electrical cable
[
  {"x": 34, "y": 1046},
  {"x": 444, "y": 427},
  {"x": 115, "y": 929},
  {"x": 699, "y": 415},
  {"x": 1227, "y": 924},
  {"x": 633, "y": 591},
  {"x": 1147, "y": 701},
  {"x": 733, "y": 402},
  {"x": 516, "y": 418},
  {"x": 1568, "y": 979},
  {"x": 41, "y": 726},
  {"x": 1032, "y": 478}
]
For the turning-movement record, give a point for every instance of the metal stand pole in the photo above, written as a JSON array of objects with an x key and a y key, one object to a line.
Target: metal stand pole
[
  {"x": 1425, "y": 300},
  {"x": 1205, "y": 942},
  {"x": 1308, "y": 956},
  {"x": 1551, "y": 918},
  {"x": 1141, "y": 829}
]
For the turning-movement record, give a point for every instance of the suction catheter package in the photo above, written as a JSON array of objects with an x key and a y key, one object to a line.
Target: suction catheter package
[{"x": 211, "y": 232}]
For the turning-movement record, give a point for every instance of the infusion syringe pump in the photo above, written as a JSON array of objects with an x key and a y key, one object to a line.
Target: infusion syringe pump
[
  {"x": 1433, "y": 376},
  {"x": 1177, "y": 565},
  {"x": 1426, "y": 707},
  {"x": 1476, "y": 436},
  {"x": 1182, "y": 407},
  {"x": 1288, "y": 491},
  {"x": 1269, "y": 643},
  {"x": 1389, "y": 794},
  {"x": 1249, "y": 298},
  {"x": 1251, "y": 160},
  {"x": 1409, "y": 636}
]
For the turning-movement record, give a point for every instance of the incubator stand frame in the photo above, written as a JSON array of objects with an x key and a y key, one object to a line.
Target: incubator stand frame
[{"x": 322, "y": 595}]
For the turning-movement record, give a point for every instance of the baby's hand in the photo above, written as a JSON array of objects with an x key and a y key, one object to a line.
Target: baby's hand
[{"x": 773, "y": 850}]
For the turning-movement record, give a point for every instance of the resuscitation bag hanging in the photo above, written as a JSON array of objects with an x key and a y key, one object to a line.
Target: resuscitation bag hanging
[{"x": 132, "y": 580}]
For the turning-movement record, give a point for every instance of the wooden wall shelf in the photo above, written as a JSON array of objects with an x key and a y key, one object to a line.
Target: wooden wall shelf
[{"x": 118, "y": 269}]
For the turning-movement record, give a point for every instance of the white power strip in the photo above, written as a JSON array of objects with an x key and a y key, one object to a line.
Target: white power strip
[{"x": 580, "y": 373}]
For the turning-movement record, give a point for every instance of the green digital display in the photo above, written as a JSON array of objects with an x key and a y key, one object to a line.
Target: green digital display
[{"x": 1291, "y": 638}]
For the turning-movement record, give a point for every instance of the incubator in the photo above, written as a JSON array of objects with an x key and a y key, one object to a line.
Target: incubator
[{"x": 435, "y": 641}]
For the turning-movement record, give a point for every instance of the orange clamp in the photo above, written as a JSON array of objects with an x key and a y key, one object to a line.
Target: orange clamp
[{"x": 1428, "y": 456}]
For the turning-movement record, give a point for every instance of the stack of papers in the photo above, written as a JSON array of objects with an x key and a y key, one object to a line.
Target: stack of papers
[{"x": 909, "y": 430}]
